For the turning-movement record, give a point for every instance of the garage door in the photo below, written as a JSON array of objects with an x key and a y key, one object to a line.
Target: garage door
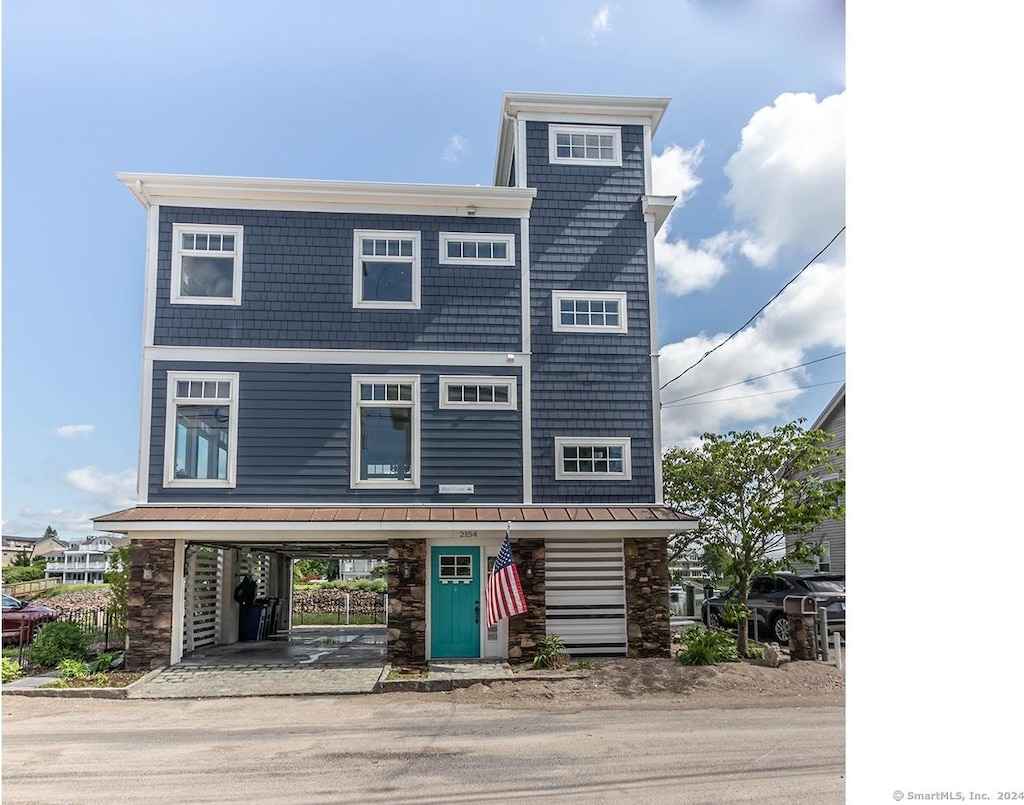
[{"x": 586, "y": 596}]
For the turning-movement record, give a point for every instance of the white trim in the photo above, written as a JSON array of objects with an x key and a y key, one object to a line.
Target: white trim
[
  {"x": 554, "y": 129},
  {"x": 178, "y": 251},
  {"x": 178, "y": 601},
  {"x": 659, "y": 491},
  {"x": 588, "y": 296},
  {"x": 170, "y": 429},
  {"x": 526, "y": 359},
  {"x": 603, "y": 441},
  {"x": 242, "y": 192},
  {"x": 648, "y": 161},
  {"x": 358, "y": 236},
  {"x": 145, "y": 431},
  {"x": 443, "y": 381},
  {"x": 413, "y": 482},
  {"x": 657, "y": 209},
  {"x": 383, "y": 357},
  {"x": 150, "y": 271},
  {"x": 476, "y": 237},
  {"x": 520, "y": 153}
]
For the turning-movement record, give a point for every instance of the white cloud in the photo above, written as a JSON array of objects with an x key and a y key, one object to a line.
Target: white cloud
[
  {"x": 114, "y": 490},
  {"x": 674, "y": 171},
  {"x": 600, "y": 24},
  {"x": 33, "y": 522},
  {"x": 457, "y": 146},
  {"x": 70, "y": 431},
  {"x": 810, "y": 314},
  {"x": 789, "y": 176},
  {"x": 682, "y": 269}
]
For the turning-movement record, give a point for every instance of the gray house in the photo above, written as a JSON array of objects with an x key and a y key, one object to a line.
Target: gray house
[
  {"x": 831, "y": 534},
  {"x": 348, "y": 369}
]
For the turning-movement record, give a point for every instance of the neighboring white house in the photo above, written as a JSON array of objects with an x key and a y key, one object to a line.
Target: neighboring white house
[
  {"x": 831, "y": 534},
  {"x": 83, "y": 562}
]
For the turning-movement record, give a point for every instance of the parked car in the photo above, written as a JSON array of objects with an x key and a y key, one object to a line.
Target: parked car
[
  {"x": 21, "y": 619},
  {"x": 766, "y": 597}
]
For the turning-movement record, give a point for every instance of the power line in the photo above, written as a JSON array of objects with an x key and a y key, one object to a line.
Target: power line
[
  {"x": 759, "y": 312},
  {"x": 750, "y": 396},
  {"x": 752, "y": 379}
]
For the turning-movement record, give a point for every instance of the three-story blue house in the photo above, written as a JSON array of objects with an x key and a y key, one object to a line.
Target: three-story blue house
[{"x": 359, "y": 369}]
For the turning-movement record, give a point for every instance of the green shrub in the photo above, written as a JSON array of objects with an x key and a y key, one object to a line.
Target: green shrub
[
  {"x": 11, "y": 669},
  {"x": 58, "y": 641},
  {"x": 14, "y": 574},
  {"x": 72, "y": 669},
  {"x": 104, "y": 662},
  {"x": 708, "y": 647},
  {"x": 550, "y": 652}
]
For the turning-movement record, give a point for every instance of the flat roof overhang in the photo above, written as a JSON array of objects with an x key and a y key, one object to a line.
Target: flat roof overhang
[{"x": 306, "y": 524}]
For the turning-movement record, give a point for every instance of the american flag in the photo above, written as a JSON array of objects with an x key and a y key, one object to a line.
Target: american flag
[{"x": 504, "y": 591}]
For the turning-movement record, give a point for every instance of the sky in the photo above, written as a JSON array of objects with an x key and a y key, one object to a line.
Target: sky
[{"x": 752, "y": 144}]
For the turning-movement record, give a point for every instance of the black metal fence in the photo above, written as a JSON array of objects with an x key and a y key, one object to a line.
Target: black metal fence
[
  {"x": 342, "y": 609},
  {"x": 102, "y": 627}
]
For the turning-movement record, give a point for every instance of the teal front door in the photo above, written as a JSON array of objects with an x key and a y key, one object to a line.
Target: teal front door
[{"x": 455, "y": 602}]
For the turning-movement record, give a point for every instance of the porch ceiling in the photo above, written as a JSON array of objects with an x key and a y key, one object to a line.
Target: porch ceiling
[{"x": 310, "y": 550}]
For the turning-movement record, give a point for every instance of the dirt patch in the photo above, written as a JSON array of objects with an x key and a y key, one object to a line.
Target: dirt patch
[{"x": 664, "y": 683}]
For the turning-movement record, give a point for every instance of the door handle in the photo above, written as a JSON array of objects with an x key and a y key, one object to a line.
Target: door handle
[{"x": 476, "y": 610}]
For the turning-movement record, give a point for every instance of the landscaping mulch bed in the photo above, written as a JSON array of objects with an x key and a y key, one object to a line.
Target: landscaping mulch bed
[{"x": 115, "y": 679}]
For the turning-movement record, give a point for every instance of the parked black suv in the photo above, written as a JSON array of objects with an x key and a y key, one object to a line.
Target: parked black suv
[{"x": 767, "y": 594}]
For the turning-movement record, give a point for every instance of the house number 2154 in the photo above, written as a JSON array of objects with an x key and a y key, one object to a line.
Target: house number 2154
[{"x": 467, "y": 535}]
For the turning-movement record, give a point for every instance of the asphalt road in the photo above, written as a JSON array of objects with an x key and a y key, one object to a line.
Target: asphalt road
[{"x": 412, "y": 748}]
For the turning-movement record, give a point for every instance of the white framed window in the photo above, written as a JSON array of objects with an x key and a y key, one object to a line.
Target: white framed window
[
  {"x": 463, "y": 248},
  {"x": 606, "y": 457},
  {"x": 588, "y": 311},
  {"x": 201, "y": 444},
  {"x": 385, "y": 431},
  {"x": 584, "y": 145},
  {"x": 464, "y": 391},
  {"x": 206, "y": 264},
  {"x": 386, "y": 271}
]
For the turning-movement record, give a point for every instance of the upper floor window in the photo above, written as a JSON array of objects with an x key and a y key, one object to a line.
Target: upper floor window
[
  {"x": 202, "y": 425},
  {"x": 385, "y": 431},
  {"x": 387, "y": 269},
  {"x": 584, "y": 145},
  {"x": 590, "y": 311},
  {"x": 605, "y": 457},
  {"x": 206, "y": 264},
  {"x": 460, "y": 391},
  {"x": 461, "y": 248}
]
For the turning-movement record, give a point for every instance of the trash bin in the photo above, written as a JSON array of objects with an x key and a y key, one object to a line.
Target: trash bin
[{"x": 251, "y": 618}]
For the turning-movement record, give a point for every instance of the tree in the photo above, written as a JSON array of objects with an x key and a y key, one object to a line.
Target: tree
[
  {"x": 50, "y": 533},
  {"x": 750, "y": 490}
]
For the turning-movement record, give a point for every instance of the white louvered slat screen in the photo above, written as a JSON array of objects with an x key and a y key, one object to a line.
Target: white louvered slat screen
[
  {"x": 586, "y": 596},
  {"x": 203, "y": 579}
]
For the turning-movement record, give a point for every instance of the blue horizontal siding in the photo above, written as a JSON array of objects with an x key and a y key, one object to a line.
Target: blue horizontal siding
[
  {"x": 297, "y": 287},
  {"x": 294, "y": 430}
]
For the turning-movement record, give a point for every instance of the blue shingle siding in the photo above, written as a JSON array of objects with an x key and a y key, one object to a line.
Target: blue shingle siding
[
  {"x": 297, "y": 287},
  {"x": 587, "y": 233},
  {"x": 294, "y": 423}
]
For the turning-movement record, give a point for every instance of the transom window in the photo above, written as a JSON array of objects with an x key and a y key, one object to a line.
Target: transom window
[
  {"x": 478, "y": 392},
  {"x": 592, "y": 458},
  {"x": 202, "y": 426},
  {"x": 385, "y": 431},
  {"x": 460, "y": 248},
  {"x": 591, "y": 311},
  {"x": 386, "y": 273},
  {"x": 206, "y": 264},
  {"x": 585, "y": 145}
]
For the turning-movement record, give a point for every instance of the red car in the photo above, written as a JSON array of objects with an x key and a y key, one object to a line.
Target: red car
[{"x": 21, "y": 619}]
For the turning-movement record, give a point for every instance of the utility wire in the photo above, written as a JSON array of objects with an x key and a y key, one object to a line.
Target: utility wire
[
  {"x": 752, "y": 379},
  {"x": 750, "y": 396},
  {"x": 759, "y": 312}
]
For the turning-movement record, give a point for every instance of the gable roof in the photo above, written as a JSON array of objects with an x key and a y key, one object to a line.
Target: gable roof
[{"x": 840, "y": 397}]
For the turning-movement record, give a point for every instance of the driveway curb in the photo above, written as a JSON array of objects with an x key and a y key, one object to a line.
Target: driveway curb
[{"x": 81, "y": 693}]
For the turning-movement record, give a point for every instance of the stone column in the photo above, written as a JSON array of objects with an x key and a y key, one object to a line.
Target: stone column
[
  {"x": 525, "y": 629},
  {"x": 148, "y": 622},
  {"x": 407, "y": 602},
  {"x": 648, "y": 631}
]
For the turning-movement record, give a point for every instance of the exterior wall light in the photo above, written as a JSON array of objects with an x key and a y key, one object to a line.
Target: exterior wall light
[
  {"x": 528, "y": 570},
  {"x": 406, "y": 570},
  {"x": 147, "y": 571}
]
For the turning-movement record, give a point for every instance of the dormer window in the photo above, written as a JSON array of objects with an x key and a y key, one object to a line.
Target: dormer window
[
  {"x": 584, "y": 145},
  {"x": 206, "y": 265}
]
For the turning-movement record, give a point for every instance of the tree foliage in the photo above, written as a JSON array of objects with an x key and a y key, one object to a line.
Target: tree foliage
[
  {"x": 750, "y": 490},
  {"x": 117, "y": 578}
]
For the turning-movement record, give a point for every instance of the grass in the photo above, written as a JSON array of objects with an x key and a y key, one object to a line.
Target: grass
[
  {"x": 63, "y": 589},
  {"x": 333, "y": 619}
]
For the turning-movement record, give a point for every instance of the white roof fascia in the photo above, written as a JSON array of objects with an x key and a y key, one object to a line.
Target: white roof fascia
[
  {"x": 660, "y": 207},
  {"x": 328, "y": 195}
]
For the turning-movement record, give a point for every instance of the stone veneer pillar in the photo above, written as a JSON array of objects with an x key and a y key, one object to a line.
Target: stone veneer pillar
[
  {"x": 525, "y": 629},
  {"x": 149, "y": 619},
  {"x": 648, "y": 631},
  {"x": 407, "y": 602}
]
